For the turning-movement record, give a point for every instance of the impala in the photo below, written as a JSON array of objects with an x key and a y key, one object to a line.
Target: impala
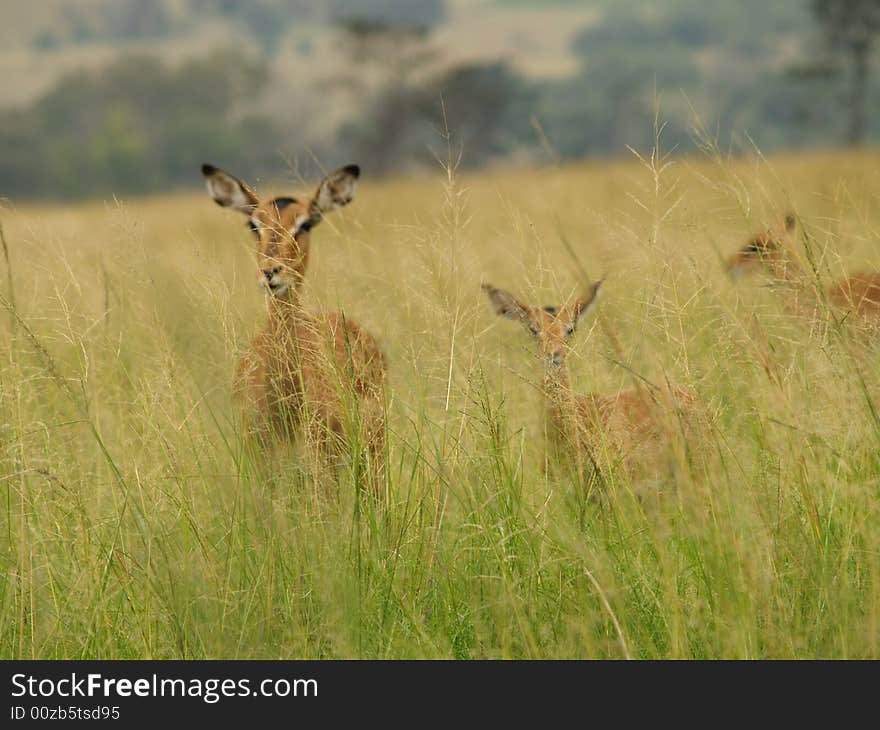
[
  {"x": 579, "y": 423},
  {"x": 770, "y": 251},
  {"x": 314, "y": 375}
]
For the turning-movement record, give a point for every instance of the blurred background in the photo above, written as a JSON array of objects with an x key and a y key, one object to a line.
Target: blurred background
[{"x": 129, "y": 96}]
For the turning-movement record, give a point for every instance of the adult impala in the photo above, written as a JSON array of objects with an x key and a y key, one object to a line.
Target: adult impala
[{"x": 312, "y": 375}]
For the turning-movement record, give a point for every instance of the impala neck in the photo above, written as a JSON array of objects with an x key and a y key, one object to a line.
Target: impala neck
[
  {"x": 786, "y": 271},
  {"x": 286, "y": 310},
  {"x": 556, "y": 387}
]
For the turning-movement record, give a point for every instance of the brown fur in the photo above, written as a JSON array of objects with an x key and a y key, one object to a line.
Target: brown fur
[
  {"x": 858, "y": 294},
  {"x": 580, "y": 422},
  {"x": 626, "y": 415},
  {"x": 318, "y": 375}
]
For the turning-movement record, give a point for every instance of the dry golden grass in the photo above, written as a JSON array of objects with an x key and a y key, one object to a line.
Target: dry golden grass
[{"x": 136, "y": 524}]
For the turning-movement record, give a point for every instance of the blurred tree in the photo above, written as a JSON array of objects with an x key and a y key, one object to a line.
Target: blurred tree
[
  {"x": 851, "y": 27},
  {"x": 136, "y": 126},
  {"x": 386, "y": 65},
  {"x": 718, "y": 68},
  {"x": 487, "y": 107},
  {"x": 482, "y": 107},
  {"x": 117, "y": 21},
  {"x": 266, "y": 20},
  {"x": 410, "y": 98},
  {"x": 143, "y": 19},
  {"x": 423, "y": 13},
  {"x": 393, "y": 52},
  {"x": 609, "y": 104}
]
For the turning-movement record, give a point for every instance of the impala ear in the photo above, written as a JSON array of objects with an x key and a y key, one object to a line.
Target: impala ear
[
  {"x": 337, "y": 189},
  {"x": 507, "y": 305},
  {"x": 229, "y": 191},
  {"x": 585, "y": 302}
]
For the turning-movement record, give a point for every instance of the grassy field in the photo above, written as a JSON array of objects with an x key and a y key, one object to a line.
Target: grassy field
[{"x": 135, "y": 525}]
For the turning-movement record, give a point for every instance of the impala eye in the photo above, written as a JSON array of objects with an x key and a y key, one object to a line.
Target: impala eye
[
  {"x": 534, "y": 329},
  {"x": 569, "y": 330}
]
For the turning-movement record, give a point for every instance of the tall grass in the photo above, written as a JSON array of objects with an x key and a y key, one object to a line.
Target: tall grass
[{"x": 135, "y": 523}]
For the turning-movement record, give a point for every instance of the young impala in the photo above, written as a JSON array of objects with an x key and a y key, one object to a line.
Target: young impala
[
  {"x": 579, "y": 422},
  {"x": 317, "y": 375},
  {"x": 769, "y": 250}
]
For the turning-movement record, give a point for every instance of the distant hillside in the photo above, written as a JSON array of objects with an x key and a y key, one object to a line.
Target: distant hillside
[
  {"x": 41, "y": 41},
  {"x": 127, "y": 95}
]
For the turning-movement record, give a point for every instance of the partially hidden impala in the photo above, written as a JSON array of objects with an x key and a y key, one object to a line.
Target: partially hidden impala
[
  {"x": 312, "y": 376},
  {"x": 771, "y": 250},
  {"x": 579, "y": 423}
]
